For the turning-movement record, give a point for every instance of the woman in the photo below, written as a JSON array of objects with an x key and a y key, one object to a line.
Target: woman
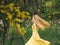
[{"x": 35, "y": 39}]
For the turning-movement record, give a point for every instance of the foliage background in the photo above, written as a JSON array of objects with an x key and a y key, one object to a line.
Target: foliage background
[{"x": 17, "y": 20}]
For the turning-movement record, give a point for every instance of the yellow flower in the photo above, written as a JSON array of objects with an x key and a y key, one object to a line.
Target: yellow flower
[
  {"x": 18, "y": 14},
  {"x": 27, "y": 13},
  {"x": 2, "y": 11},
  {"x": 17, "y": 10},
  {"x": 22, "y": 31},
  {"x": 19, "y": 30},
  {"x": 49, "y": 16},
  {"x": 12, "y": 23},
  {"x": 9, "y": 15},
  {"x": 29, "y": 17},
  {"x": 23, "y": 16},
  {"x": 49, "y": 3},
  {"x": 18, "y": 26},
  {"x": 23, "y": 12},
  {"x": 11, "y": 8},
  {"x": 18, "y": 20},
  {"x": 21, "y": 20},
  {"x": 11, "y": 5}
]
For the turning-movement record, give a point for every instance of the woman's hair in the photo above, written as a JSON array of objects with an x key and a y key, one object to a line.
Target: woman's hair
[
  {"x": 36, "y": 12},
  {"x": 41, "y": 23}
]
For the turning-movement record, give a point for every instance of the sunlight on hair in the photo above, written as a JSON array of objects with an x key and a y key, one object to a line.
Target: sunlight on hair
[{"x": 41, "y": 23}]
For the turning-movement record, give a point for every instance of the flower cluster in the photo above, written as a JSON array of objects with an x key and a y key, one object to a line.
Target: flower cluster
[{"x": 14, "y": 16}]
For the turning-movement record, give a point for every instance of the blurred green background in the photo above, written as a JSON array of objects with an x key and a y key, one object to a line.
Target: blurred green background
[{"x": 16, "y": 20}]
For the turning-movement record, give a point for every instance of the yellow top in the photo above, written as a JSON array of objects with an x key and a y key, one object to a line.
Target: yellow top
[{"x": 35, "y": 38}]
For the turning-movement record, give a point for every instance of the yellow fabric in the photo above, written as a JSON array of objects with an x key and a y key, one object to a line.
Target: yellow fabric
[{"x": 36, "y": 40}]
